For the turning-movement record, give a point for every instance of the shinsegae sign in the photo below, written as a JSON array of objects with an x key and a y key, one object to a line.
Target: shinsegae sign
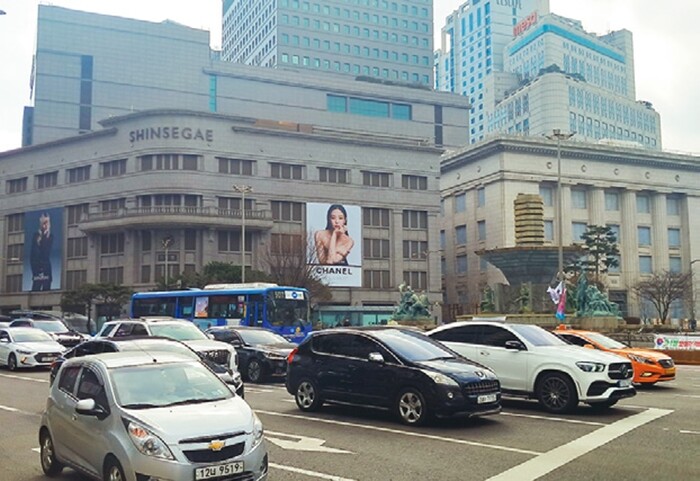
[{"x": 171, "y": 132}]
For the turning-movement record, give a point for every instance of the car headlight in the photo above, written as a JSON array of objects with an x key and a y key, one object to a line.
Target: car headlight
[
  {"x": 23, "y": 351},
  {"x": 258, "y": 431},
  {"x": 588, "y": 366},
  {"x": 640, "y": 359},
  {"x": 273, "y": 356},
  {"x": 440, "y": 378},
  {"x": 146, "y": 442},
  {"x": 233, "y": 360}
]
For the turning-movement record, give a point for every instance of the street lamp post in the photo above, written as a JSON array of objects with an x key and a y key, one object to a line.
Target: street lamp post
[
  {"x": 167, "y": 242},
  {"x": 243, "y": 190},
  {"x": 558, "y": 135}
]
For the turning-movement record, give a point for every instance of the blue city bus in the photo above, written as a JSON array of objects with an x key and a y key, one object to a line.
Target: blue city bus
[{"x": 285, "y": 310}]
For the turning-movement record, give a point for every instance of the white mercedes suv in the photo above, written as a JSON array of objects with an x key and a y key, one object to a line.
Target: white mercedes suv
[
  {"x": 178, "y": 329},
  {"x": 534, "y": 363}
]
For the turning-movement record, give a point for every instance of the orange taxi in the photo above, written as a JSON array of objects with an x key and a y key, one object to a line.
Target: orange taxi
[{"x": 649, "y": 366}]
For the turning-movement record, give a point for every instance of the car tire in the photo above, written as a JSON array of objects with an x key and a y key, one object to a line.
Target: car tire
[
  {"x": 556, "y": 393},
  {"x": 255, "y": 371},
  {"x": 12, "y": 362},
  {"x": 307, "y": 396},
  {"x": 411, "y": 407},
  {"x": 113, "y": 470},
  {"x": 47, "y": 455}
]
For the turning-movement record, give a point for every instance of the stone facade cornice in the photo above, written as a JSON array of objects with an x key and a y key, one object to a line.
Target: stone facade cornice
[{"x": 569, "y": 149}]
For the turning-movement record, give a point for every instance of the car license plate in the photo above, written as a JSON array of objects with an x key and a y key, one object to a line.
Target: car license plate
[
  {"x": 486, "y": 398},
  {"x": 625, "y": 383},
  {"x": 219, "y": 470},
  {"x": 49, "y": 358}
]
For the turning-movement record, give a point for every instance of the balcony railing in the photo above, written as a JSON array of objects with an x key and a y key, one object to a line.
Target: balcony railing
[{"x": 160, "y": 216}]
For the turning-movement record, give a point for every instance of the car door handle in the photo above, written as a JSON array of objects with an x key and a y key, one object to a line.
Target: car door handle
[{"x": 484, "y": 353}]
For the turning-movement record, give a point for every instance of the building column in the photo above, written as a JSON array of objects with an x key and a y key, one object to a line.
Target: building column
[
  {"x": 565, "y": 217},
  {"x": 596, "y": 211},
  {"x": 659, "y": 232},
  {"x": 629, "y": 251}
]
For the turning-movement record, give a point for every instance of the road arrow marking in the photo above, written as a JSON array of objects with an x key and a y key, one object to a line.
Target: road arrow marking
[{"x": 301, "y": 443}]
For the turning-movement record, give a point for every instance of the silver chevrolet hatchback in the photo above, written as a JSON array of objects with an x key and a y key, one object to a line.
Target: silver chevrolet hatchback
[{"x": 134, "y": 416}]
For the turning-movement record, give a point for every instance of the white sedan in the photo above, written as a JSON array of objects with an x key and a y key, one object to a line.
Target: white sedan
[{"x": 27, "y": 347}]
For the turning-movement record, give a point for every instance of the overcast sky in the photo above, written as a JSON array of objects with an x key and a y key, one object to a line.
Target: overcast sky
[{"x": 666, "y": 37}]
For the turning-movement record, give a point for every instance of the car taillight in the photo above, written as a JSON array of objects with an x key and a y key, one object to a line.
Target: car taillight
[{"x": 290, "y": 357}]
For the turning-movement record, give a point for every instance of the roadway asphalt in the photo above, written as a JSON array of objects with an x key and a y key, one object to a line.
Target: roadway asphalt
[{"x": 653, "y": 436}]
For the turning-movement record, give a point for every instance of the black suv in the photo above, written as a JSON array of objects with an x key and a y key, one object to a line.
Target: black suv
[
  {"x": 262, "y": 353},
  {"x": 391, "y": 368}
]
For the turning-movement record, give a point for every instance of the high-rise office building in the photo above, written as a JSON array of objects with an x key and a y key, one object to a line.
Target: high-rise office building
[
  {"x": 527, "y": 71},
  {"x": 386, "y": 40}
]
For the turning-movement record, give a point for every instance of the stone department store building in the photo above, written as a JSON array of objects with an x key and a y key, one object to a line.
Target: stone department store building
[
  {"x": 647, "y": 197},
  {"x": 138, "y": 133}
]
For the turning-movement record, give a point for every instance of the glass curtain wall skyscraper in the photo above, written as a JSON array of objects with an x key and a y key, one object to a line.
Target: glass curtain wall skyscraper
[
  {"x": 473, "y": 42},
  {"x": 382, "y": 39},
  {"x": 527, "y": 71}
]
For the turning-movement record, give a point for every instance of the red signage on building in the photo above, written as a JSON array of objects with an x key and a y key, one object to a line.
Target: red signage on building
[{"x": 525, "y": 23}]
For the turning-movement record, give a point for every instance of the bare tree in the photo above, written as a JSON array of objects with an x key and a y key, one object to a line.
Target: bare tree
[
  {"x": 287, "y": 261},
  {"x": 661, "y": 289}
]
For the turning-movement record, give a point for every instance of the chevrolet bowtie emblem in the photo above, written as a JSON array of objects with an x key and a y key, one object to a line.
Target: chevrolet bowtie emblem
[{"x": 217, "y": 445}]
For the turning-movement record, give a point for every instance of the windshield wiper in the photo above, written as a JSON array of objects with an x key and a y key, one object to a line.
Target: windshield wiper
[
  {"x": 141, "y": 406},
  {"x": 443, "y": 358},
  {"x": 190, "y": 401}
]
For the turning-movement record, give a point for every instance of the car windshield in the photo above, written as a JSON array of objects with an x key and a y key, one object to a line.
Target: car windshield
[
  {"x": 31, "y": 336},
  {"x": 164, "y": 346},
  {"x": 537, "y": 336},
  {"x": 166, "y": 384},
  {"x": 412, "y": 346},
  {"x": 180, "y": 331},
  {"x": 255, "y": 337},
  {"x": 51, "y": 326},
  {"x": 605, "y": 341}
]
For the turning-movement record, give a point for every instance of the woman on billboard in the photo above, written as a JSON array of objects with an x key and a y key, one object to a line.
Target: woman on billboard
[{"x": 333, "y": 244}]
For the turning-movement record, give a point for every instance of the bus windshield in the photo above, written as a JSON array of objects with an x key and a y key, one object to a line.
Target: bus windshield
[{"x": 287, "y": 312}]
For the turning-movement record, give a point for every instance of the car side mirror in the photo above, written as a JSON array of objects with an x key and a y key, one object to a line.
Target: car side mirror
[
  {"x": 236, "y": 343},
  {"x": 376, "y": 357},
  {"x": 5, "y": 340},
  {"x": 515, "y": 345},
  {"x": 88, "y": 407},
  {"x": 589, "y": 346}
]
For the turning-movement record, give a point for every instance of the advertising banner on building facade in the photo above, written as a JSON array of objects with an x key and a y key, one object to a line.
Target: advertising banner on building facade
[
  {"x": 336, "y": 230},
  {"x": 43, "y": 250}
]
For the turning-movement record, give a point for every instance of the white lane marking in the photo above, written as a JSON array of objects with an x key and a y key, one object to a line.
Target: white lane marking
[
  {"x": 694, "y": 396},
  {"x": 559, "y": 420},
  {"x": 301, "y": 443},
  {"x": 683, "y": 431},
  {"x": 557, "y": 457},
  {"x": 15, "y": 410},
  {"x": 405, "y": 433},
  {"x": 36, "y": 450},
  {"x": 312, "y": 474},
  {"x": 22, "y": 378}
]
